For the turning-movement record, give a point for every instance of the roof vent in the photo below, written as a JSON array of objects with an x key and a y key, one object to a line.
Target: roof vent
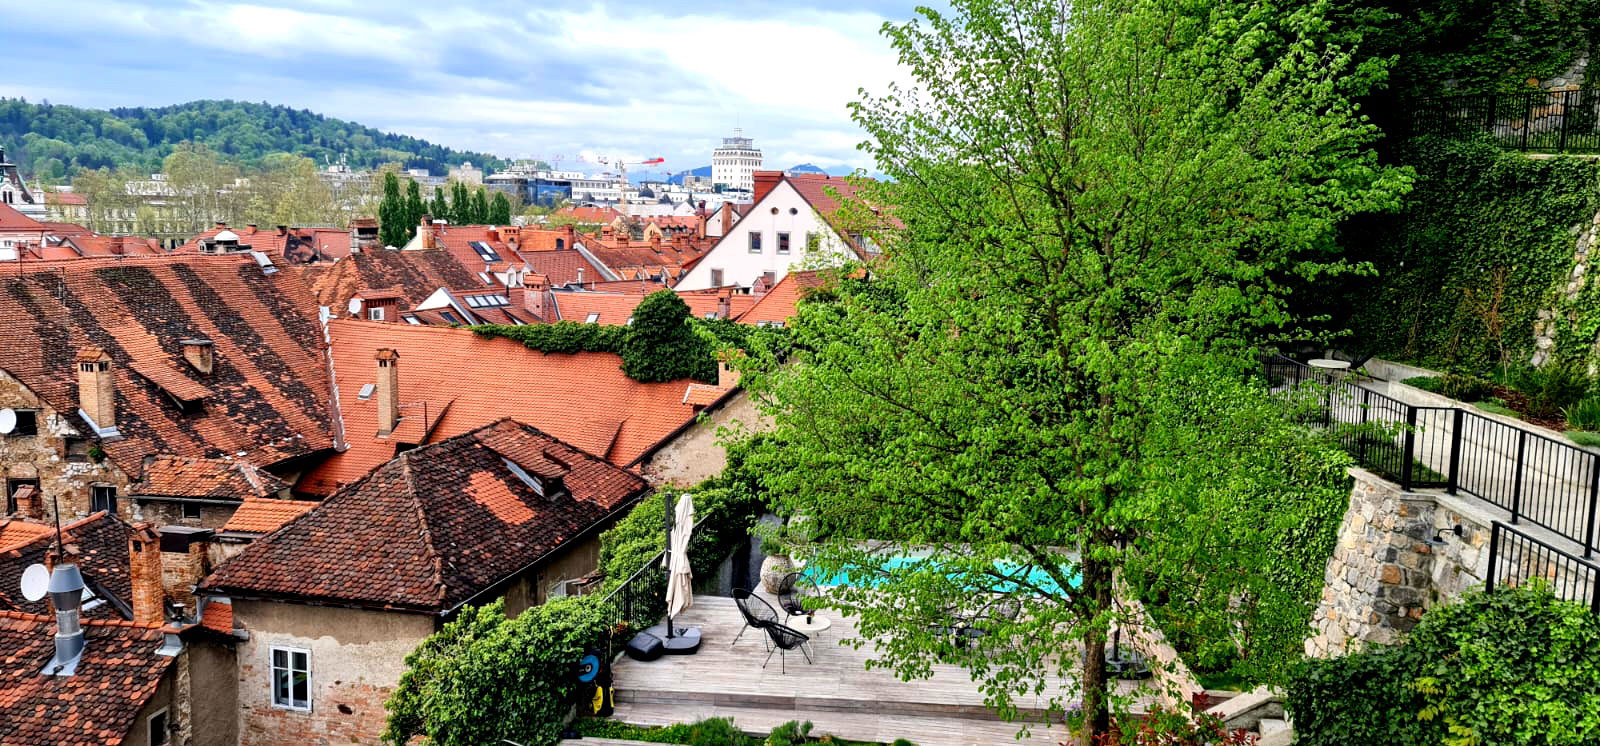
[{"x": 66, "y": 593}]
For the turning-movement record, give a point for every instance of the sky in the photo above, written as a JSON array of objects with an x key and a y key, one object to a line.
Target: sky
[{"x": 567, "y": 83}]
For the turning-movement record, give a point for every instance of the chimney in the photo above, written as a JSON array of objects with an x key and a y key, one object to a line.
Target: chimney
[
  {"x": 29, "y": 502},
  {"x": 283, "y": 230},
  {"x": 727, "y": 218},
  {"x": 531, "y": 295},
  {"x": 580, "y": 277},
  {"x": 221, "y": 224},
  {"x": 388, "y": 390},
  {"x": 66, "y": 597},
  {"x": 571, "y": 235},
  {"x": 96, "y": 388},
  {"x": 144, "y": 575},
  {"x": 197, "y": 351},
  {"x": 727, "y": 376},
  {"x": 430, "y": 233},
  {"x": 184, "y": 561},
  {"x": 363, "y": 235},
  {"x": 765, "y": 182},
  {"x": 250, "y": 229},
  {"x": 723, "y": 304}
]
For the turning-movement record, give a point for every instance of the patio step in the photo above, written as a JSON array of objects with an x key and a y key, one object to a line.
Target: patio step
[
  {"x": 598, "y": 741},
  {"x": 800, "y": 701},
  {"x": 866, "y": 724}
]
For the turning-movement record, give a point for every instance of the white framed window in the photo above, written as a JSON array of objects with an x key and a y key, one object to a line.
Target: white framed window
[
  {"x": 375, "y": 314},
  {"x": 755, "y": 242},
  {"x": 593, "y": 318},
  {"x": 156, "y": 726},
  {"x": 783, "y": 242},
  {"x": 291, "y": 678}
]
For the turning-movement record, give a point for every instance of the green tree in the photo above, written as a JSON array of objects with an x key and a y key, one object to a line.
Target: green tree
[
  {"x": 480, "y": 207},
  {"x": 460, "y": 204},
  {"x": 1100, "y": 203},
  {"x": 415, "y": 208},
  {"x": 439, "y": 207},
  {"x": 392, "y": 213},
  {"x": 500, "y": 209},
  {"x": 662, "y": 345}
]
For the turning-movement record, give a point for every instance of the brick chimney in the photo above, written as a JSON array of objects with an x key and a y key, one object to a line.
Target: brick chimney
[
  {"x": 197, "y": 351},
  {"x": 144, "y": 575},
  {"x": 184, "y": 561},
  {"x": 388, "y": 390},
  {"x": 723, "y": 306},
  {"x": 250, "y": 229},
  {"x": 571, "y": 235},
  {"x": 30, "y": 504},
  {"x": 765, "y": 182},
  {"x": 430, "y": 239},
  {"x": 96, "y": 388},
  {"x": 532, "y": 294},
  {"x": 727, "y": 218},
  {"x": 727, "y": 376}
]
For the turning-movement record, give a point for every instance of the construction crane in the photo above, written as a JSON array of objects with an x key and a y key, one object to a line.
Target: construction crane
[{"x": 623, "y": 167}]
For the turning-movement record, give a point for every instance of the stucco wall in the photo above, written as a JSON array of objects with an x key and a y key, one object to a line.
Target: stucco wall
[
  {"x": 695, "y": 456},
  {"x": 739, "y": 266},
  {"x": 357, "y": 657},
  {"x": 139, "y": 731},
  {"x": 44, "y": 457},
  {"x": 214, "y": 693}
]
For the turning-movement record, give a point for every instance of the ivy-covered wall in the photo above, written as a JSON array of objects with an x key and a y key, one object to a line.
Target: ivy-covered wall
[{"x": 1484, "y": 243}]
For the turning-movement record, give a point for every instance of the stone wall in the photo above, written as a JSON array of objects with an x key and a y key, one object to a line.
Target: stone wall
[
  {"x": 696, "y": 454},
  {"x": 57, "y": 456},
  {"x": 1386, "y": 569}
]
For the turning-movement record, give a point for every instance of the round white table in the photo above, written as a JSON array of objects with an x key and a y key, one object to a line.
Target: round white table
[
  {"x": 817, "y": 624},
  {"x": 1329, "y": 364}
]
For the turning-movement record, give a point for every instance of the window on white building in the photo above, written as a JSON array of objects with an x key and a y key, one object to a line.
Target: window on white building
[
  {"x": 291, "y": 678},
  {"x": 755, "y": 242},
  {"x": 716, "y": 278},
  {"x": 783, "y": 242}
]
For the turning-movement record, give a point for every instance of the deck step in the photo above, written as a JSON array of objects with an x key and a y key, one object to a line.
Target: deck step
[
  {"x": 866, "y": 724},
  {"x": 800, "y": 701},
  {"x": 598, "y": 741}
]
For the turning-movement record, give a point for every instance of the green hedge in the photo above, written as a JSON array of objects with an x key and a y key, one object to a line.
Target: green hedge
[
  {"x": 662, "y": 343},
  {"x": 1482, "y": 243},
  {"x": 1517, "y": 667}
]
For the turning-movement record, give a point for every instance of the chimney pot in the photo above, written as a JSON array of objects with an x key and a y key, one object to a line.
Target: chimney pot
[{"x": 388, "y": 390}]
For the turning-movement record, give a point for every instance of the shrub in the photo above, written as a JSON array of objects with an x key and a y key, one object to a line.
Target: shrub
[
  {"x": 661, "y": 344},
  {"x": 1552, "y": 388},
  {"x": 792, "y": 733},
  {"x": 1514, "y": 667},
  {"x": 564, "y": 337},
  {"x": 1464, "y": 387},
  {"x": 1585, "y": 415},
  {"x": 1434, "y": 384}
]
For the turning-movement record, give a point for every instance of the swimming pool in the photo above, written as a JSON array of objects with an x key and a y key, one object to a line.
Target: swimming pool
[{"x": 856, "y": 578}]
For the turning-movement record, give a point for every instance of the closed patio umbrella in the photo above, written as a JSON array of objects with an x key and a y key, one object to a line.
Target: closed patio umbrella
[{"x": 678, "y": 640}]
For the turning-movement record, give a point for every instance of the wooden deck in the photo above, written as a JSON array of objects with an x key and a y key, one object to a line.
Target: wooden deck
[{"x": 836, "y": 692}]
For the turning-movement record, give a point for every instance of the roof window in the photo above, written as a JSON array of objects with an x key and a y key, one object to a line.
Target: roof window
[
  {"x": 485, "y": 251},
  {"x": 366, "y": 391},
  {"x": 594, "y": 318}
]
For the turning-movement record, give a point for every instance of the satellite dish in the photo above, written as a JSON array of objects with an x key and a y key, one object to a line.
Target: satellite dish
[
  {"x": 35, "y": 580},
  {"x": 355, "y": 306},
  {"x": 8, "y": 421}
]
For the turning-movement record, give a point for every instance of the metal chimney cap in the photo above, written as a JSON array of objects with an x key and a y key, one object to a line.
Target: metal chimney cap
[{"x": 65, "y": 578}]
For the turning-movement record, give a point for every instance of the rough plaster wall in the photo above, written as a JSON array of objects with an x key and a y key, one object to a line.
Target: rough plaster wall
[
  {"x": 43, "y": 457},
  {"x": 695, "y": 456},
  {"x": 357, "y": 657}
]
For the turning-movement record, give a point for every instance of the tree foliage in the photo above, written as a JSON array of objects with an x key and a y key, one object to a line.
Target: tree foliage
[
  {"x": 54, "y": 141},
  {"x": 500, "y": 209},
  {"x": 662, "y": 344},
  {"x": 1100, "y": 203},
  {"x": 1517, "y": 667},
  {"x": 415, "y": 208},
  {"x": 392, "y": 225}
]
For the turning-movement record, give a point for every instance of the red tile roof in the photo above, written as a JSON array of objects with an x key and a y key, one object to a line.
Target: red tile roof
[
  {"x": 259, "y": 515},
  {"x": 215, "y": 479},
  {"x": 65, "y": 198},
  {"x": 18, "y": 533},
  {"x": 102, "y": 542},
  {"x": 581, "y": 398},
  {"x": 98, "y": 704},
  {"x": 11, "y": 220},
  {"x": 590, "y": 214},
  {"x": 267, "y": 394},
  {"x": 700, "y": 395},
  {"x": 217, "y": 617},
  {"x": 435, "y": 526},
  {"x": 778, "y": 305},
  {"x": 616, "y": 308},
  {"x": 561, "y": 267},
  {"x": 65, "y": 229},
  {"x": 416, "y": 273}
]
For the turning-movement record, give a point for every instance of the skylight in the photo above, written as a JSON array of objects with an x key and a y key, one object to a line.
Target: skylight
[
  {"x": 594, "y": 318},
  {"x": 485, "y": 251},
  {"x": 366, "y": 391}
]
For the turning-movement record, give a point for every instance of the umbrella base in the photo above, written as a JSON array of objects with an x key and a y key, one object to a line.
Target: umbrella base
[{"x": 684, "y": 640}]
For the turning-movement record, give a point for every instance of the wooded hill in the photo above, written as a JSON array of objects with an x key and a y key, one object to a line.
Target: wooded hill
[{"x": 51, "y": 142}]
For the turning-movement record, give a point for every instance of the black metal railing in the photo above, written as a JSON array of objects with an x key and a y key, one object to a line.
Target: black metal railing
[
  {"x": 1549, "y": 121},
  {"x": 1516, "y": 558},
  {"x": 636, "y": 598},
  {"x": 1541, "y": 480}
]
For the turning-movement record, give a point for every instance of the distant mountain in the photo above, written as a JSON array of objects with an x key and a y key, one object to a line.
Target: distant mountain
[
  {"x": 806, "y": 168},
  {"x": 703, "y": 172},
  {"x": 51, "y": 142}
]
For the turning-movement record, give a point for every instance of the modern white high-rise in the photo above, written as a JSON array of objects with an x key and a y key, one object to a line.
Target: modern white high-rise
[{"x": 734, "y": 164}]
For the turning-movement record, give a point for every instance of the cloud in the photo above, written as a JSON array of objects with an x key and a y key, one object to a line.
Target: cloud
[{"x": 629, "y": 79}]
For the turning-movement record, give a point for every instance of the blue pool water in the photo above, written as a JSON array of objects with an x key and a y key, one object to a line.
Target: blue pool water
[{"x": 855, "y": 578}]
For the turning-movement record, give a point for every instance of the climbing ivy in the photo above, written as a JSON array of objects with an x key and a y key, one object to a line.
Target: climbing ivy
[{"x": 1485, "y": 241}]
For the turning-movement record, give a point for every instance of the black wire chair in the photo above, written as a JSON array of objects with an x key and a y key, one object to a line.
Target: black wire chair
[
  {"x": 792, "y": 595},
  {"x": 785, "y": 639},
  {"x": 756, "y": 612}
]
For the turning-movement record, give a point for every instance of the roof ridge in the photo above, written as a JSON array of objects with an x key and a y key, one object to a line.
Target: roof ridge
[{"x": 422, "y": 526}]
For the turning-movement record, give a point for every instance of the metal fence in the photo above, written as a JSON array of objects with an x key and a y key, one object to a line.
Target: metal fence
[
  {"x": 1550, "y": 121},
  {"x": 1516, "y": 558},
  {"x": 1546, "y": 482}
]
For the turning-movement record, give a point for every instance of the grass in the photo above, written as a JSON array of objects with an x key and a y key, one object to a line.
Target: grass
[
  {"x": 1223, "y": 680},
  {"x": 1384, "y": 454},
  {"x": 1585, "y": 439},
  {"x": 1496, "y": 406}
]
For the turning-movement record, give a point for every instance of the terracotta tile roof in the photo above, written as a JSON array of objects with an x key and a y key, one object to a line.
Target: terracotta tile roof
[
  {"x": 778, "y": 305},
  {"x": 416, "y": 273},
  {"x": 616, "y": 308},
  {"x": 18, "y": 533},
  {"x": 266, "y": 396},
  {"x": 65, "y": 198},
  {"x": 700, "y": 395},
  {"x": 11, "y": 220},
  {"x": 294, "y": 245},
  {"x": 65, "y": 229},
  {"x": 98, "y": 704},
  {"x": 217, "y": 616},
  {"x": 259, "y": 515},
  {"x": 102, "y": 542},
  {"x": 435, "y": 526},
  {"x": 562, "y": 267},
  {"x": 95, "y": 245},
  {"x": 590, "y": 214},
  {"x": 216, "y": 479},
  {"x": 581, "y": 398}
]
